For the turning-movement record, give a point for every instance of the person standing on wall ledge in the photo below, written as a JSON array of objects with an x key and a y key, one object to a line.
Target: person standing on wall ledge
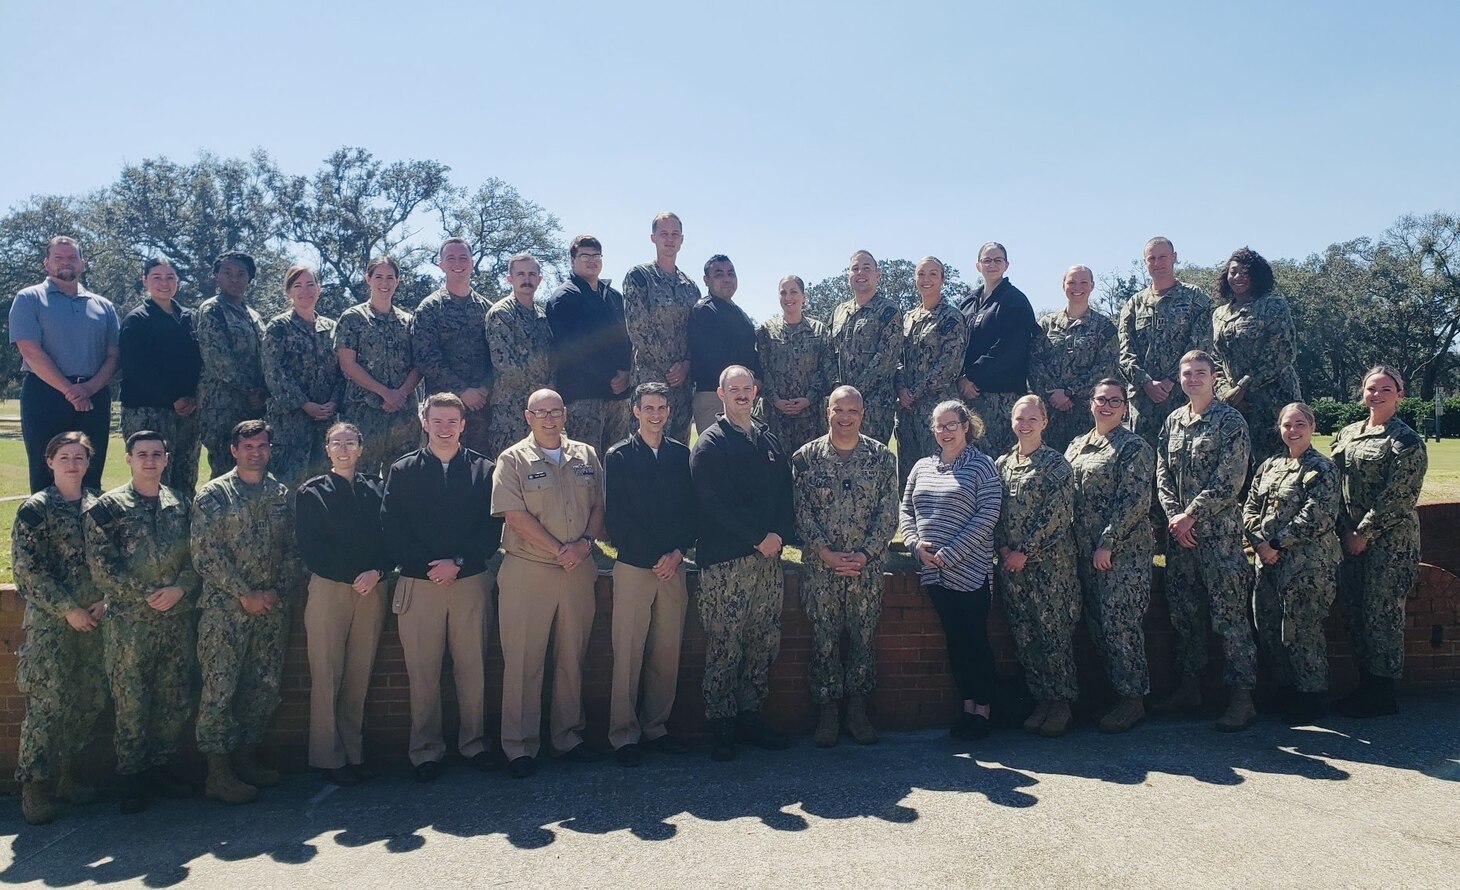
[
  {"x": 230, "y": 340},
  {"x": 658, "y": 299},
  {"x": 720, "y": 335},
  {"x": 866, "y": 338},
  {"x": 449, "y": 339},
  {"x": 592, "y": 353},
  {"x": 996, "y": 362}
]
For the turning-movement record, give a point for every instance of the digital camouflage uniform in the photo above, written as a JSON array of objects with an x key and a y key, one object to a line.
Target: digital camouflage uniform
[
  {"x": 656, "y": 311},
  {"x": 796, "y": 360},
  {"x": 449, "y": 338},
  {"x": 1256, "y": 346},
  {"x": 1201, "y": 465},
  {"x": 867, "y": 343},
  {"x": 382, "y": 346},
  {"x": 230, "y": 340},
  {"x": 133, "y": 549},
  {"x": 183, "y": 442},
  {"x": 1072, "y": 354},
  {"x": 1043, "y": 600},
  {"x": 844, "y": 504},
  {"x": 740, "y": 609},
  {"x": 1382, "y": 470},
  {"x": 60, "y": 669},
  {"x": 934, "y": 341},
  {"x": 1112, "y": 477},
  {"x": 1292, "y": 505},
  {"x": 299, "y": 366},
  {"x": 242, "y": 540},
  {"x": 521, "y": 343},
  {"x": 1156, "y": 330}
]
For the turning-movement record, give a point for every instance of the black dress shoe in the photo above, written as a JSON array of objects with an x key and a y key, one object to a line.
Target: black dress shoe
[
  {"x": 722, "y": 745},
  {"x": 522, "y": 767},
  {"x": 167, "y": 783},
  {"x": 362, "y": 772},
  {"x": 666, "y": 744},
  {"x": 343, "y": 775},
  {"x": 970, "y": 727},
  {"x": 428, "y": 771},
  {"x": 484, "y": 762},
  {"x": 134, "y": 793},
  {"x": 628, "y": 755},
  {"x": 752, "y": 729},
  {"x": 581, "y": 753}
]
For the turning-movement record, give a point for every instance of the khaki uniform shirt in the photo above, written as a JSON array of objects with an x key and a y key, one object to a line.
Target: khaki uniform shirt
[{"x": 561, "y": 496}]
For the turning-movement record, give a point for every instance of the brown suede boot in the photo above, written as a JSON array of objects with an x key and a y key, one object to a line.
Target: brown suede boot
[
  {"x": 246, "y": 765},
  {"x": 1036, "y": 719},
  {"x": 1186, "y": 697},
  {"x": 1240, "y": 713},
  {"x": 223, "y": 785},
  {"x": 37, "y": 805},
  {"x": 828, "y": 726},
  {"x": 1057, "y": 721},
  {"x": 857, "y": 723},
  {"x": 1124, "y": 716},
  {"x": 69, "y": 786}
]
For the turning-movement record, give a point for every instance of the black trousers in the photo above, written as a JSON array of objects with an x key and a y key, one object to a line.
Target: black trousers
[
  {"x": 44, "y": 412},
  {"x": 965, "y": 617}
]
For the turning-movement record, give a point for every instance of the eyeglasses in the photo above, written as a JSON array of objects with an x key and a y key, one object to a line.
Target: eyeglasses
[
  {"x": 548, "y": 413},
  {"x": 993, "y": 260},
  {"x": 590, "y": 256},
  {"x": 1109, "y": 401},
  {"x": 346, "y": 444},
  {"x": 948, "y": 427}
]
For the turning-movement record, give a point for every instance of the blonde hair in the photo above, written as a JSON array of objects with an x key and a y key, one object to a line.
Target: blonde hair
[{"x": 1030, "y": 399}]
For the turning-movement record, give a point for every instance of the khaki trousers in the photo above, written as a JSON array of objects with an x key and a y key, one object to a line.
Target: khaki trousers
[
  {"x": 342, "y": 630},
  {"x": 648, "y": 626},
  {"x": 440, "y": 618},
  {"x": 708, "y": 409},
  {"x": 535, "y": 598}
]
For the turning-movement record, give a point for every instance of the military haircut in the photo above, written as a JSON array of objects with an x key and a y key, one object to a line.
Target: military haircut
[
  {"x": 734, "y": 369},
  {"x": 581, "y": 242},
  {"x": 1198, "y": 355},
  {"x": 239, "y": 257},
  {"x": 661, "y": 216},
  {"x": 62, "y": 239},
  {"x": 147, "y": 436},
  {"x": 454, "y": 239},
  {"x": 1159, "y": 239},
  {"x": 1259, "y": 272},
  {"x": 717, "y": 258},
  {"x": 443, "y": 400},
  {"x": 653, "y": 388},
  {"x": 846, "y": 389},
  {"x": 857, "y": 253},
  {"x": 70, "y": 437},
  {"x": 523, "y": 257},
  {"x": 247, "y": 429}
]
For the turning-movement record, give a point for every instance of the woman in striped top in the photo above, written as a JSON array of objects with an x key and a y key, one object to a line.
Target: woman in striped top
[{"x": 949, "y": 510}]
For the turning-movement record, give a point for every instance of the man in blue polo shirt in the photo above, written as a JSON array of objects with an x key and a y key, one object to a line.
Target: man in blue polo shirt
[{"x": 67, "y": 337}]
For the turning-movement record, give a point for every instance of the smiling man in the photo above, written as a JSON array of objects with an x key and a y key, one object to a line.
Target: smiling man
[
  {"x": 867, "y": 334},
  {"x": 521, "y": 342},
  {"x": 720, "y": 335},
  {"x": 449, "y": 339},
  {"x": 846, "y": 512},
  {"x": 230, "y": 340},
  {"x": 658, "y": 298}
]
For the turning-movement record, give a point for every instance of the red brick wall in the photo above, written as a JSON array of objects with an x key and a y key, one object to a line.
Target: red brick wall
[{"x": 914, "y": 689}]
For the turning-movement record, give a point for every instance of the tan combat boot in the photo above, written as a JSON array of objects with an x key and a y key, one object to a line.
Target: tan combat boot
[
  {"x": 223, "y": 785},
  {"x": 828, "y": 726},
  {"x": 69, "y": 786},
  {"x": 1186, "y": 697},
  {"x": 1125, "y": 715},
  {"x": 1057, "y": 721},
  {"x": 246, "y": 765},
  {"x": 37, "y": 805},
  {"x": 1036, "y": 719},
  {"x": 857, "y": 723},
  {"x": 1240, "y": 713}
]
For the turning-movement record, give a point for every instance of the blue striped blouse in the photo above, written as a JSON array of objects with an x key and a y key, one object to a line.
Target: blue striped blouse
[{"x": 954, "y": 506}]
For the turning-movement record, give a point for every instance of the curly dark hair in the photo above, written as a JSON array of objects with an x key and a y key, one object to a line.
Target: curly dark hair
[{"x": 1257, "y": 269}]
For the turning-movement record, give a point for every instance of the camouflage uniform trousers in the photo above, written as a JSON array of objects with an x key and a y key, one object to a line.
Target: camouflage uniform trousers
[
  {"x": 915, "y": 436},
  {"x": 994, "y": 409},
  {"x": 220, "y": 409},
  {"x": 384, "y": 437},
  {"x": 879, "y": 416},
  {"x": 1065, "y": 426},
  {"x": 1373, "y": 587},
  {"x": 297, "y": 451},
  {"x": 1150, "y": 417},
  {"x": 1115, "y": 603},
  {"x": 1290, "y": 601},
  {"x": 740, "y": 608},
  {"x": 478, "y": 432},
  {"x": 834, "y": 605},
  {"x": 184, "y": 442},
  {"x": 507, "y": 427},
  {"x": 1043, "y": 606},
  {"x": 793, "y": 432},
  {"x": 1207, "y": 588},
  {"x": 149, "y": 660},
  {"x": 600, "y": 423},
  {"x": 241, "y": 657},
  {"x": 60, "y": 673}
]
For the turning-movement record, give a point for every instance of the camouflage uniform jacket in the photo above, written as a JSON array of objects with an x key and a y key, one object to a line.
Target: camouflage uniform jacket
[
  {"x": 243, "y": 540},
  {"x": 1156, "y": 330},
  {"x": 868, "y": 344},
  {"x": 449, "y": 337},
  {"x": 934, "y": 341},
  {"x": 299, "y": 363},
  {"x": 1037, "y": 511},
  {"x": 846, "y": 503},
  {"x": 1293, "y": 503},
  {"x": 382, "y": 346},
  {"x": 47, "y": 556},
  {"x": 795, "y": 359},
  {"x": 1073, "y": 354},
  {"x": 230, "y": 340},
  {"x": 133, "y": 550},
  {"x": 1112, "y": 477},
  {"x": 1256, "y": 347},
  {"x": 656, "y": 311},
  {"x": 1201, "y": 465},
  {"x": 1383, "y": 469},
  {"x": 521, "y": 345}
]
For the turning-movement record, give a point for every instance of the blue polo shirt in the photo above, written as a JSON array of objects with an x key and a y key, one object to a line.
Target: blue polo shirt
[{"x": 75, "y": 332}]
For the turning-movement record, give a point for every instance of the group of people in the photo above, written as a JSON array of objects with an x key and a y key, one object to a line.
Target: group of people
[{"x": 548, "y": 428}]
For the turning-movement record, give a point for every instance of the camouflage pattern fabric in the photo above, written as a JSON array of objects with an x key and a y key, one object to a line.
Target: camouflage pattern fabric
[
  {"x": 521, "y": 344},
  {"x": 1156, "y": 330},
  {"x": 449, "y": 338},
  {"x": 934, "y": 341},
  {"x": 740, "y": 608},
  {"x": 1256, "y": 348},
  {"x": 299, "y": 366},
  {"x": 995, "y": 409},
  {"x": 230, "y": 340},
  {"x": 868, "y": 345},
  {"x": 657, "y": 307},
  {"x": 796, "y": 360},
  {"x": 382, "y": 346},
  {"x": 184, "y": 441},
  {"x": 1072, "y": 354}
]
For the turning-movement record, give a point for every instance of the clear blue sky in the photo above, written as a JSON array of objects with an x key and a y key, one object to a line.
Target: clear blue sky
[{"x": 787, "y": 134}]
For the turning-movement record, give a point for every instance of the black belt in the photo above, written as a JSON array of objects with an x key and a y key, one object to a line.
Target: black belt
[{"x": 79, "y": 379}]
